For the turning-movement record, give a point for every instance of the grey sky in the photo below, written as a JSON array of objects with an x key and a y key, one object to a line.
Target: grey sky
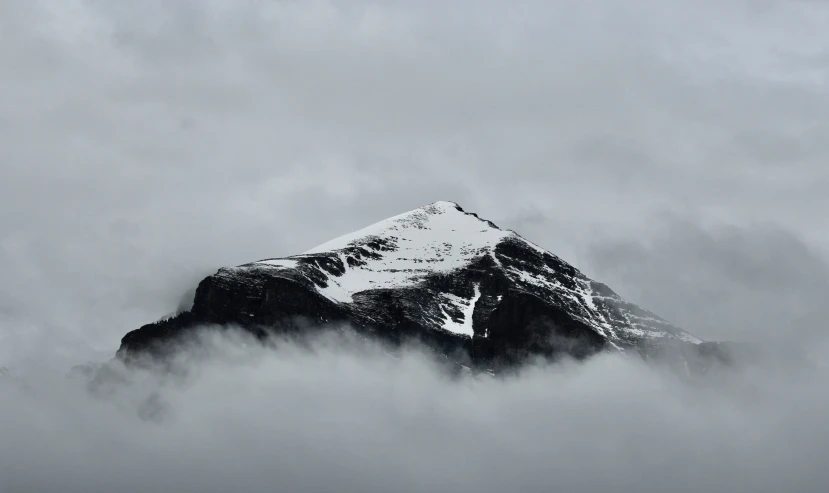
[
  {"x": 676, "y": 150},
  {"x": 145, "y": 145}
]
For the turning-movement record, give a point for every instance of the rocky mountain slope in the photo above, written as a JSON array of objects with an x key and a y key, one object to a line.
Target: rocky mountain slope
[{"x": 437, "y": 274}]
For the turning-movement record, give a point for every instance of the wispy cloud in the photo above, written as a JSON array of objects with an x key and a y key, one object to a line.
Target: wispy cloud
[
  {"x": 145, "y": 144},
  {"x": 341, "y": 414}
]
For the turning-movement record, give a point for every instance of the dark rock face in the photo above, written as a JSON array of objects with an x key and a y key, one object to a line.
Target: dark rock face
[{"x": 481, "y": 295}]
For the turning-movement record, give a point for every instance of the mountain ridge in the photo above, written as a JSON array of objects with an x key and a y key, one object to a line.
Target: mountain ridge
[{"x": 438, "y": 274}]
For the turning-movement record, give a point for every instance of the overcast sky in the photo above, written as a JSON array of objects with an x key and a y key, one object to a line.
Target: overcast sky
[
  {"x": 675, "y": 149},
  {"x": 145, "y": 144}
]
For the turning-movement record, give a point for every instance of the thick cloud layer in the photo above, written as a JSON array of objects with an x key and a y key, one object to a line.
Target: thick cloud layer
[
  {"x": 674, "y": 149},
  {"x": 346, "y": 416}
]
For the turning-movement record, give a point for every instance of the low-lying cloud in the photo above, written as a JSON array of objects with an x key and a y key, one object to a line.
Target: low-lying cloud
[
  {"x": 145, "y": 144},
  {"x": 341, "y": 414}
]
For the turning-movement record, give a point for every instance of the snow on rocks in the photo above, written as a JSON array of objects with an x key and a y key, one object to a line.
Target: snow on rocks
[{"x": 441, "y": 238}]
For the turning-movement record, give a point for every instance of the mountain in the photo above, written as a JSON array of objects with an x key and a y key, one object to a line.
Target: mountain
[{"x": 437, "y": 274}]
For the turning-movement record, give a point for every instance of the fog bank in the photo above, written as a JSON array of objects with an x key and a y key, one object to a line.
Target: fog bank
[{"x": 341, "y": 414}]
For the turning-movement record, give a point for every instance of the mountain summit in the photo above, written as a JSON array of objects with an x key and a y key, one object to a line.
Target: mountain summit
[{"x": 436, "y": 274}]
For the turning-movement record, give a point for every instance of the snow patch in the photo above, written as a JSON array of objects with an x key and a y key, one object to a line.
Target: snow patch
[
  {"x": 285, "y": 263},
  {"x": 467, "y": 307},
  {"x": 432, "y": 239},
  {"x": 690, "y": 338}
]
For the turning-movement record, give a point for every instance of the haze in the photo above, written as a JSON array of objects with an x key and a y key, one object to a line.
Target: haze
[{"x": 675, "y": 150}]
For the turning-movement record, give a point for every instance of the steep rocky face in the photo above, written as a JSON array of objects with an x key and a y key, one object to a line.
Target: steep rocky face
[{"x": 436, "y": 274}]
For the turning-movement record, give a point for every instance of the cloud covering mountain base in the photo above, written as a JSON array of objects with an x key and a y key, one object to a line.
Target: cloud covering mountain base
[
  {"x": 337, "y": 413},
  {"x": 674, "y": 150}
]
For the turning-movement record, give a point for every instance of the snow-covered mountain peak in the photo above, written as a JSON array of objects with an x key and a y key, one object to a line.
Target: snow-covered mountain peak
[
  {"x": 399, "y": 251},
  {"x": 422, "y": 229},
  {"x": 440, "y": 269}
]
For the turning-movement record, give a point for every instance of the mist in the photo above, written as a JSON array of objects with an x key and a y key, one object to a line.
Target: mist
[
  {"x": 338, "y": 413},
  {"x": 675, "y": 150}
]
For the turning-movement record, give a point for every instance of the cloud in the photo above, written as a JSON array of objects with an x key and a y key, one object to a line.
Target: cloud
[
  {"x": 343, "y": 414},
  {"x": 756, "y": 282},
  {"x": 144, "y": 145}
]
